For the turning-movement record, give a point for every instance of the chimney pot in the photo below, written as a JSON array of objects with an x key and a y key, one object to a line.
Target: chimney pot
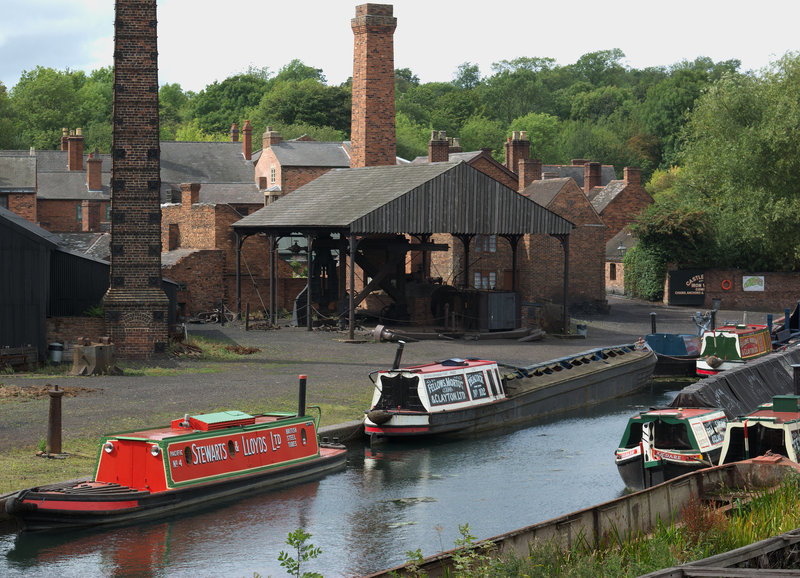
[
  {"x": 247, "y": 140},
  {"x": 75, "y": 151},
  {"x": 234, "y": 133}
]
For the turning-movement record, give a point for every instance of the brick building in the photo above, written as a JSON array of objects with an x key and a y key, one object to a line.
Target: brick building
[{"x": 620, "y": 201}]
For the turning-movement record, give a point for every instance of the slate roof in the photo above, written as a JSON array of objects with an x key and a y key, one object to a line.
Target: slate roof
[
  {"x": 18, "y": 174},
  {"x": 97, "y": 245},
  {"x": 204, "y": 162},
  {"x": 623, "y": 238},
  {"x": 600, "y": 197},
  {"x": 70, "y": 185},
  {"x": 545, "y": 190},
  {"x": 607, "y": 173},
  {"x": 413, "y": 198},
  {"x": 170, "y": 258},
  {"x": 294, "y": 153}
]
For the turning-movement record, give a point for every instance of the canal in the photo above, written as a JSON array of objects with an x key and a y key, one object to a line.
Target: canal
[{"x": 391, "y": 499}]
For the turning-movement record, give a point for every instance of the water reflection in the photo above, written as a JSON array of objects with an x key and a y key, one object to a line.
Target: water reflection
[{"x": 395, "y": 498}]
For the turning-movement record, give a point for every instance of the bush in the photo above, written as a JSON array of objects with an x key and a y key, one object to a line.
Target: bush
[{"x": 645, "y": 270}]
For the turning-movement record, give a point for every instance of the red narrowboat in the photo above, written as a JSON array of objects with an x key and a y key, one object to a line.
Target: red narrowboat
[{"x": 196, "y": 460}]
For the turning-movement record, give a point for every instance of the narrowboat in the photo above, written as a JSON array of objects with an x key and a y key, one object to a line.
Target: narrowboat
[
  {"x": 197, "y": 460},
  {"x": 663, "y": 443},
  {"x": 774, "y": 427},
  {"x": 676, "y": 353},
  {"x": 732, "y": 345},
  {"x": 464, "y": 396}
]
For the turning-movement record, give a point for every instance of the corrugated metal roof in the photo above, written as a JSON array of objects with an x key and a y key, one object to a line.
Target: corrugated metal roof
[{"x": 425, "y": 198}]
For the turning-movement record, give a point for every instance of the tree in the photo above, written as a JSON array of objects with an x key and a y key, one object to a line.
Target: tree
[
  {"x": 297, "y": 71},
  {"x": 412, "y": 139},
  {"x": 481, "y": 132},
  {"x": 8, "y": 131},
  {"x": 173, "y": 108},
  {"x": 468, "y": 76},
  {"x": 543, "y": 130},
  {"x": 222, "y": 103},
  {"x": 403, "y": 80},
  {"x": 306, "y": 101}
]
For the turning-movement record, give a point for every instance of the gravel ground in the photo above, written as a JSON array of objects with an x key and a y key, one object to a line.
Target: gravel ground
[{"x": 337, "y": 372}]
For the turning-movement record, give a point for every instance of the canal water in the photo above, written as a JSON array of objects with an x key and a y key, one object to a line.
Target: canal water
[{"x": 390, "y": 500}]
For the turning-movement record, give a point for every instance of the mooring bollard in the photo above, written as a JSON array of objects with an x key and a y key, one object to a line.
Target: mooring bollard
[{"x": 54, "y": 421}]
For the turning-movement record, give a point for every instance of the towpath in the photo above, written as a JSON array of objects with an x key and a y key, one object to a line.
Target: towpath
[{"x": 337, "y": 372}]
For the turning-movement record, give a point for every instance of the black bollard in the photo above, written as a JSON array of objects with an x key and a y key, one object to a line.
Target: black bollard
[
  {"x": 653, "y": 322},
  {"x": 301, "y": 397},
  {"x": 54, "y": 421},
  {"x": 398, "y": 354}
]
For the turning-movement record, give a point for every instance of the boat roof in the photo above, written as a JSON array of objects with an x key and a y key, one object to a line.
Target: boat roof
[
  {"x": 449, "y": 365},
  {"x": 767, "y": 413},
  {"x": 739, "y": 329},
  {"x": 680, "y": 412}
]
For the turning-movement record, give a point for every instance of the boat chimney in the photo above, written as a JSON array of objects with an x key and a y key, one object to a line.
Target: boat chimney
[
  {"x": 398, "y": 354},
  {"x": 653, "y": 322},
  {"x": 301, "y": 397},
  {"x": 796, "y": 378}
]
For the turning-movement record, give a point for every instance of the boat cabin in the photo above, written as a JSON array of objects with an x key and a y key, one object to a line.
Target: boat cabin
[
  {"x": 773, "y": 427},
  {"x": 437, "y": 387},
  {"x": 731, "y": 345}
]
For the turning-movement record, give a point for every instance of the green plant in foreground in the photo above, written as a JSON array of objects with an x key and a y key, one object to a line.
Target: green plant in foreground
[
  {"x": 471, "y": 559},
  {"x": 304, "y": 553}
]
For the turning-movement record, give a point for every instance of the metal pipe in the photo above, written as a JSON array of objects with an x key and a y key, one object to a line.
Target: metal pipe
[
  {"x": 713, "y": 319},
  {"x": 653, "y": 322},
  {"x": 54, "y": 421},
  {"x": 301, "y": 397},
  {"x": 398, "y": 354}
]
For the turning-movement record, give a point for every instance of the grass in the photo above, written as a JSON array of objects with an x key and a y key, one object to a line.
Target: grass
[
  {"x": 705, "y": 531},
  {"x": 22, "y": 468}
]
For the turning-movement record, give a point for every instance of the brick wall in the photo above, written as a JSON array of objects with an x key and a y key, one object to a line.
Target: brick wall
[
  {"x": 488, "y": 167},
  {"x": 24, "y": 205},
  {"x": 59, "y": 216},
  {"x": 615, "y": 278},
  {"x": 67, "y": 330},
  {"x": 200, "y": 280},
  {"x": 373, "y": 121},
  {"x": 622, "y": 210},
  {"x": 780, "y": 291}
]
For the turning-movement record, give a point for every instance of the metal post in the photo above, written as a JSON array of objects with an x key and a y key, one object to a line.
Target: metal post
[
  {"x": 301, "y": 397},
  {"x": 54, "y": 421},
  {"x": 352, "y": 306},
  {"x": 238, "y": 277},
  {"x": 713, "y": 319},
  {"x": 273, "y": 319},
  {"x": 653, "y": 322},
  {"x": 309, "y": 240},
  {"x": 398, "y": 354}
]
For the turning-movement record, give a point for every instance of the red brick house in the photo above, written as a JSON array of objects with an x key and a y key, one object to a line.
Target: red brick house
[
  {"x": 18, "y": 185},
  {"x": 620, "y": 201}
]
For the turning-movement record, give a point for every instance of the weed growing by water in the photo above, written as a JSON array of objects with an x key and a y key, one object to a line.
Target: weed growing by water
[{"x": 303, "y": 552}]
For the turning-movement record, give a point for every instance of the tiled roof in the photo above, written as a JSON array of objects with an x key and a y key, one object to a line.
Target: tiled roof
[
  {"x": 97, "y": 245},
  {"x": 70, "y": 185},
  {"x": 600, "y": 197},
  {"x": 204, "y": 162},
  {"x": 545, "y": 190}
]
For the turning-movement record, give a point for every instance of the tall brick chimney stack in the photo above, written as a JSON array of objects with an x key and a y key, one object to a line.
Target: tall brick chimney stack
[
  {"x": 591, "y": 176},
  {"x": 270, "y": 137},
  {"x": 247, "y": 140},
  {"x": 373, "y": 128},
  {"x": 518, "y": 147},
  {"x": 529, "y": 170},
  {"x": 64, "y": 139},
  {"x": 75, "y": 150},
  {"x": 135, "y": 305},
  {"x": 94, "y": 174},
  {"x": 234, "y": 133},
  {"x": 438, "y": 147},
  {"x": 632, "y": 176}
]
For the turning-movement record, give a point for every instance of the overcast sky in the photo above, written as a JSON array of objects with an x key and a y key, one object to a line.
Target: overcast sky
[{"x": 201, "y": 41}]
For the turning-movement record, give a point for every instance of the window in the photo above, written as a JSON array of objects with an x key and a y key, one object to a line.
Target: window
[
  {"x": 79, "y": 212},
  {"x": 612, "y": 272},
  {"x": 108, "y": 212},
  {"x": 273, "y": 172},
  {"x": 486, "y": 243},
  {"x": 477, "y": 278}
]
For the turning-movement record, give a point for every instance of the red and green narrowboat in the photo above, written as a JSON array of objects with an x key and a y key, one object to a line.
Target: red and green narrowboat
[
  {"x": 195, "y": 461},
  {"x": 661, "y": 444},
  {"x": 731, "y": 346}
]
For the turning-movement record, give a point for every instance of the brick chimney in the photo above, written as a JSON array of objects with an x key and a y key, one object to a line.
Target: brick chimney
[
  {"x": 90, "y": 215},
  {"x": 247, "y": 140},
  {"x": 529, "y": 170},
  {"x": 632, "y": 176},
  {"x": 438, "y": 147},
  {"x": 234, "y": 133},
  {"x": 455, "y": 146},
  {"x": 373, "y": 127},
  {"x": 549, "y": 175},
  {"x": 64, "y": 138},
  {"x": 518, "y": 147},
  {"x": 94, "y": 174},
  {"x": 270, "y": 138},
  {"x": 190, "y": 195},
  {"x": 579, "y": 162},
  {"x": 135, "y": 306},
  {"x": 75, "y": 150},
  {"x": 591, "y": 176}
]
